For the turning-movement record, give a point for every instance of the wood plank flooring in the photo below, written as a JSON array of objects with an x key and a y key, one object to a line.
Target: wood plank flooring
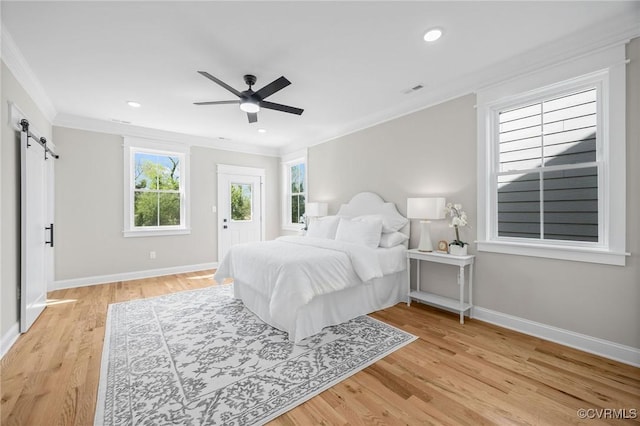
[{"x": 453, "y": 374}]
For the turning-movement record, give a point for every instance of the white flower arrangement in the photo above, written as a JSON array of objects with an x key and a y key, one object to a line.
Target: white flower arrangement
[{"x": 458, "y": 220}]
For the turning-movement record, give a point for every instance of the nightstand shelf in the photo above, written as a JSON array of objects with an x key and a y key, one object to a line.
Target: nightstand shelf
[
  {"x": 434, "y": 299},
  {"x": 458, "y": 305}
]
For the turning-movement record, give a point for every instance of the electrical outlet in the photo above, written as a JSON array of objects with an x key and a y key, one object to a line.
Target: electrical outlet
[
  {"x": 214, "y": 209},
  {"x": 152, "y": 255}
]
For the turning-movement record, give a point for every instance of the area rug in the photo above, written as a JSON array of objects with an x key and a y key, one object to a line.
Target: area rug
[{"x": 201, "y": 358}]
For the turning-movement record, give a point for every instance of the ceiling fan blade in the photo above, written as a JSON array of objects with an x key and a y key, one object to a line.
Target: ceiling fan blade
[
  {"x": 217, "y": 102},
  {"x": 272, "y": 88},
  {"x": 253, "y": 117},
  {"x": 279, "y": 107},
  {"x": 221, "y": 83}
]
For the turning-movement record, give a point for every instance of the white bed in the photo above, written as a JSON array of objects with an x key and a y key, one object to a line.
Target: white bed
[{"x": 302, "y": 284}]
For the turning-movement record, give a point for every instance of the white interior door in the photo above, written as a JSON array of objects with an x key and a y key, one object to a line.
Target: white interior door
[
  {"x": 36, "y": 231},
  {"x": 240, "y": 209}
]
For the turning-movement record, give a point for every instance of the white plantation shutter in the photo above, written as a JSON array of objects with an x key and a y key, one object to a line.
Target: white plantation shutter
[{"x": 547, "y": 171}]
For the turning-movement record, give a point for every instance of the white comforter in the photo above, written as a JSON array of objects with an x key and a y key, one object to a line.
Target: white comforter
[{"x": 291, "y": 271}]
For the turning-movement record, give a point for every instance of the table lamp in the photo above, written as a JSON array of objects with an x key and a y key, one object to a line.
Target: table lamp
[
  {"x": 426, "y": 209},
  {"x": 315, "y": 209}
]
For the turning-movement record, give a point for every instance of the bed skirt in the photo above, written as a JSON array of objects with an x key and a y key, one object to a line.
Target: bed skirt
[{"x": 333, "y": 308}]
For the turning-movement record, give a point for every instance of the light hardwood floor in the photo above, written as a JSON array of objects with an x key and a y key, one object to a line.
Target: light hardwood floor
[{"x": 453, "y": 374}]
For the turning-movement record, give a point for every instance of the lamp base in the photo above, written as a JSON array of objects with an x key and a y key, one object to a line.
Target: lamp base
[{"x": 425, "y": 236}]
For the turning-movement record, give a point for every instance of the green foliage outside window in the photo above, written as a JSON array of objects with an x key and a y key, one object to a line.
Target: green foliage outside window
[
  {"x": 297, "y": 179},
  {"x": 157, "y": 190},
  {"x": 240, "y": 201},
  {"x": 297, "y": 208}
]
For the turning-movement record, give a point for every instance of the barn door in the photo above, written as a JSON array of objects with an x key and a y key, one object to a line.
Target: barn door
[{"x": 37, "y": 227}]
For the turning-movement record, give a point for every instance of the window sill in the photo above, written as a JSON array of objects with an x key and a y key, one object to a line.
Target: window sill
[
  {"x": 577, "y": 254},
  {"x": 156, "y": 232}
]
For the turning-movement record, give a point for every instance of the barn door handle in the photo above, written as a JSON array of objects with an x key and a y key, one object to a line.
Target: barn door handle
[{"x": 50, "y": 229}]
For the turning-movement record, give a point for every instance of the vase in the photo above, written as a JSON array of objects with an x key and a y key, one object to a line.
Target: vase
[{"x": 458, "y": 250}]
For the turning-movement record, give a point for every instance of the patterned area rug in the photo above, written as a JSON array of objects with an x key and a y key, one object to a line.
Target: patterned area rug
[{"x": 201, "y": 358}]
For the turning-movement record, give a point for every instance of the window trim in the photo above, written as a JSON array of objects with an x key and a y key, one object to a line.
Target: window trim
[
  {"x": 132, "y": 146},
  {"x": 605, "y": 68},
  {"x": 293, "y": 159}
]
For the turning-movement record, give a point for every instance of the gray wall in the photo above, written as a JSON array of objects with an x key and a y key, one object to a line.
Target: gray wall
[
  {"x": 428, "y": 153},
  {"x": 12, "y": 91},
  {"x": 89, "y": 208},
  {"x": 433, "y": 152}
]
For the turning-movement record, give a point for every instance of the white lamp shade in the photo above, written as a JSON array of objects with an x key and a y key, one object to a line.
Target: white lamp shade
[
  {"x": 316, "y": 209},
  {"x": 426, "y": 208}
]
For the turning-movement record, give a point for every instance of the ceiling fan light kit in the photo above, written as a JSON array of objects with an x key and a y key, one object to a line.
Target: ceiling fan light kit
[
  {"x": 249, "y": 106},
  {"x": 250, "y": 101}
]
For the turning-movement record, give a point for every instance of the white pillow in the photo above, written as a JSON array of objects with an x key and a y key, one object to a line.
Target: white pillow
[
  {"x": 359, "y": 232},
  {"x": 323, "y": 227},
  {"x": 392, "y": 239},
  {"x": 388, "y": 224}
]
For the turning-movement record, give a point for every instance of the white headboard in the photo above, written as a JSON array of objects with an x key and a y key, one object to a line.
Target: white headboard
[{"x": 366, "y": 203}]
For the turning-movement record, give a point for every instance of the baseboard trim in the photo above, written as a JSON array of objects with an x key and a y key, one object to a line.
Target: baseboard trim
[
  {"x": 9, "y": 339},
  {"x": 615, "y": 351},
  {"x": 128, "y": 276}
]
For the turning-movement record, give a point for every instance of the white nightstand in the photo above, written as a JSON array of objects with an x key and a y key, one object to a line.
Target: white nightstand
[{"x": 434, "y": 299}]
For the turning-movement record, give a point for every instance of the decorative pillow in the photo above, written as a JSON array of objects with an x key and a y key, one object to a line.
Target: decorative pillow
[
  {"x": 392, "y": 239},
  {"x": 323, "y": 227},
  {"x": 359, "y": 232},
  {"x": 388, "y": 224}
]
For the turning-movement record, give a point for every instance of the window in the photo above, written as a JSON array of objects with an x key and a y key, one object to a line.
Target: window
[
  {"x": 297, "y": 196},
  {"x": 551, "y": 163},
  {"x": 155, "y": 188},
  {"x": 547, "y": 171},
  {"x": 241, "y": 195},
  {"x": 295, "y": 192}
]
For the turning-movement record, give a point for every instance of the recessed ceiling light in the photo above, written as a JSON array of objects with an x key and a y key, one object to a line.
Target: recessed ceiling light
[
  {"x": 262, "y": 130},
  {"x": 433, "y": 34},
  {"x": 134, "y": 104}
]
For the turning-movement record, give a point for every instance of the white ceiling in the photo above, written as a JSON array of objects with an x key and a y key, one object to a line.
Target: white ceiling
[{"x": 349, "y": 62}]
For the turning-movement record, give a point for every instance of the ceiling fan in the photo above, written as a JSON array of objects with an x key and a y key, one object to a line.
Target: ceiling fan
[{"x": 250, "y": 101}]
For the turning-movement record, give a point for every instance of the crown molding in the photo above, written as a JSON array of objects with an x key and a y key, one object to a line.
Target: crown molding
[
  {"x": 21, "y": 70},
  {"x": 18, "y": 65},
  {"x": 124, "y": 130},
  {"x": 610, "y": 33},
  {"x": 613, "y": 32}
]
